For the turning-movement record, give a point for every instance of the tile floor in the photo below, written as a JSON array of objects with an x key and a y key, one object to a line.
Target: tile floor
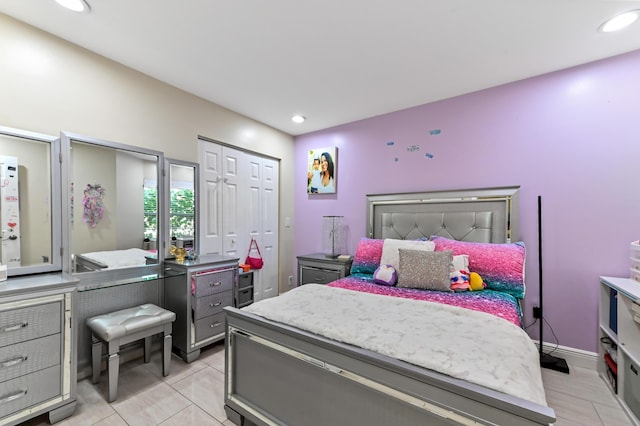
[
  {"x": 193, "y": 395},
  {"x": 582, "y": 398}
]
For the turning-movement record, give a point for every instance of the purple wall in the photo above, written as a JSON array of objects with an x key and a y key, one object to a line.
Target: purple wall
[{"x": 572, "y": 137}]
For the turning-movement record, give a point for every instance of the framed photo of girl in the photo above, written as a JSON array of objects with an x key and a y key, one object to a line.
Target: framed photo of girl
[{"x": 321, "y": 170}]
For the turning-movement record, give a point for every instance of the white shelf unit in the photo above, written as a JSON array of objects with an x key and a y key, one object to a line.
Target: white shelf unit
[{"x": 626, "y": 336}]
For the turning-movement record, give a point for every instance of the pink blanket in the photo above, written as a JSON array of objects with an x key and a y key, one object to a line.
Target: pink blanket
[{"x": 493, "y": 302}]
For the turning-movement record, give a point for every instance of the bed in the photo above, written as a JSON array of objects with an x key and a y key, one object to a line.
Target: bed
[
  {"x": 300, "y": 362},
  {"x": 112, "y": 259}
]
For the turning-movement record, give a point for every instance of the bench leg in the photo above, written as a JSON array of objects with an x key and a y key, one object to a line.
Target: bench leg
[
  {"x": 114, "y": 367},
  {"x": 147, "y": 349},
  {"x": 166, "y": 355},
  {"x": 96, "y": 359}
]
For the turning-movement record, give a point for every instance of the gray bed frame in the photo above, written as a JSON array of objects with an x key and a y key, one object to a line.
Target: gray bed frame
[{"x": 279, "y": 375}]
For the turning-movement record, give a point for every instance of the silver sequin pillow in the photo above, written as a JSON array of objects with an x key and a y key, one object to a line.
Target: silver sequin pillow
[{"x": 428, "y": 270}]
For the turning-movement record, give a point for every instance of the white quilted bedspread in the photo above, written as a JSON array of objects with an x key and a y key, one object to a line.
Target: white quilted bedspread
[
  {"x": 474, "y": 346},
  {"x": 120, "y": 258}
]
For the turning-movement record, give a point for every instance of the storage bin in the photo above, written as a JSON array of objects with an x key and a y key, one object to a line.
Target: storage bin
[
  {"x": 246, "y": 280},
  {"x": 632, "y": 386},
  {"x": 635, "y": 250},
  {"x": 635, "y": 260},
  {"x": 245, "y": 296},
  {"x": 635, "y": 310}
]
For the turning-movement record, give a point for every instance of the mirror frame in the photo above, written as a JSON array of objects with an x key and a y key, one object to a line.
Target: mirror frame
[
  {"x": 55, "y": 203},
  {"x": 196, "y": 188},
  {"x": 67, "y": 138}
]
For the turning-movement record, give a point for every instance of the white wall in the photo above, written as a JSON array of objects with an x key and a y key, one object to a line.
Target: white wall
[
  {"x": 87, "y": 171},
  {"x": 49, "y": 85},
  {"x": 130, "y": 175}
]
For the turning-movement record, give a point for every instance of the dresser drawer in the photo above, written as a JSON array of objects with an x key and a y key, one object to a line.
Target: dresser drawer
[
  {"x": 17, "y": 325},
  {"x": 318, "y": 276},
  {"x": 212, "y": 304},
  {"x": 213, "y": 282},
  {"x": 28, "y": 390},
  {"x": 27, "y": 357},
  {"x": 209, "y": 326}
]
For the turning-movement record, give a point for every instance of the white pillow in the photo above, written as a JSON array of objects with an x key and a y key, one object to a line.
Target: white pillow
[{"x": 390, "y": 249}]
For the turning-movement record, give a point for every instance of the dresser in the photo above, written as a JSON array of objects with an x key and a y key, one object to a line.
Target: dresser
[
  {"x": 317, "y": 268},
  {"x": 37, "y": 348},
  {"x": 197, "y": 291}
]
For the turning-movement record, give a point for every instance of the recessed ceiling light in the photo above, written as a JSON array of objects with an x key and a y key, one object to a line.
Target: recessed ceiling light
[
  {"x": 298, "y": 118},
  {"x": 75, "y": 5},
  {"x": 619, "y": 22}
]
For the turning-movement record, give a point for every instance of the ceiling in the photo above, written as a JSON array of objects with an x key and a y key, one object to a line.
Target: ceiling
[{"x": 336, "y": 61}]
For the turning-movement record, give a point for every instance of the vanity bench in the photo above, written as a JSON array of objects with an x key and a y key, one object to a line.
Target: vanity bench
[{"x": 124, "y": 326}]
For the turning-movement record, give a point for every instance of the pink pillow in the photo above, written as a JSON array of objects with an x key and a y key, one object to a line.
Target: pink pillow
[
  {"x": 500, "y": 265},
  {"x": 367, "y": 258}
]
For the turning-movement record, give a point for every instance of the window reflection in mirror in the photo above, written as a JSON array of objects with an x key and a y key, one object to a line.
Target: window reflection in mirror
[
  {"x": 182, "y": 205},
  {"x": 29, "y": 202},
  {"x": 113, "y": 205}
]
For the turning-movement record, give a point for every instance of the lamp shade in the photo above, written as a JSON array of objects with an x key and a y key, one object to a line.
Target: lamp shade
[{"x": 333, "y": 235}]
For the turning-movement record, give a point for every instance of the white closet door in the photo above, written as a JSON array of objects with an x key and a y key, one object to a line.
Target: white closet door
[
  {"x": 269, "y": 220},
  {"x": 253, "y": 202},
  {"x": 246, "y": 206},
  {"x": 233, "y": 187},
  {"x": 253, "y": 206},
  {"x": 210, "y": 159}
]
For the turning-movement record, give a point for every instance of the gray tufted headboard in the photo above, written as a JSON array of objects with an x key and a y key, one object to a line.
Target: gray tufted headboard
[{"x": 480, "y": 215}]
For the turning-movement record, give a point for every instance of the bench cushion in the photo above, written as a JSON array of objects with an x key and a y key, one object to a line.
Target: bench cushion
[{"x": 128, "y": 321}]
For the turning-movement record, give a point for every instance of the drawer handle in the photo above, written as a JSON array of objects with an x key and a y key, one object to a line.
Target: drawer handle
[
  {"x": 14, "y": 327},
  {"x": 213, "y": 305},
  {"x": 215, "y": 324},
  {"x": 13, "y": 361},
  {"x": 12, "y": 397},
  {"x": 216, "y": 284},
  {"x": 314, "y": 268}
]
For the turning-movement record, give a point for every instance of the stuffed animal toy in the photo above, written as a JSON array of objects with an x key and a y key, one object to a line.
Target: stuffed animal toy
[
  {"x": 459, "y": 273},
  {"x": 475, "y": 282},
  {"x": 460, "y": 280},
  {"x": 385, "y": 275}
]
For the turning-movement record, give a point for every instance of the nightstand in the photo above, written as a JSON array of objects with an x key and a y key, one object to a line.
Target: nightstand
[
  {"x": 197, "y": 291},
  {"x": 317, "y": 268}
]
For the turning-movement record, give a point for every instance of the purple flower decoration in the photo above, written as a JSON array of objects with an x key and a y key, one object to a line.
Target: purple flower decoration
[{"x": 92, "y": 203}]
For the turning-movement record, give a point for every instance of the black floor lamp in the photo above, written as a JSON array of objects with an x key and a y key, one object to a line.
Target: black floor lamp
[{"x": 546, "y": 360}]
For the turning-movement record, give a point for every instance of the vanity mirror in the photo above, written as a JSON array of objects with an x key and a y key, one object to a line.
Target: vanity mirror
[
  {"x": 29, "y": 202},
  {"x": 182, "y": 203},
  {"x": 112, "y": 208}
]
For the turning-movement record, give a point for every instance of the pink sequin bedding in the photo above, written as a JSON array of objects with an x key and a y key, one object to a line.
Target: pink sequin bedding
[{"x": 498, "y": 303}]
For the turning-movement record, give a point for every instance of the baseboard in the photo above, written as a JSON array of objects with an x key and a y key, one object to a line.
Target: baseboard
[{"x": 574, "y": 357}]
